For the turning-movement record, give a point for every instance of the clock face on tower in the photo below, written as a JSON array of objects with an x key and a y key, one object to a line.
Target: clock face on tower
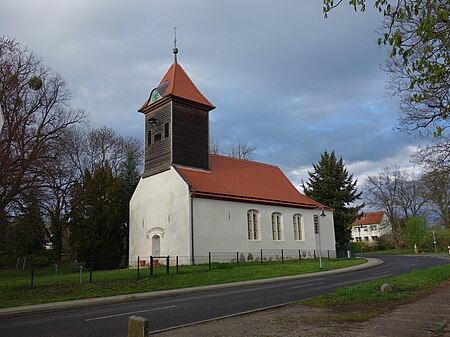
[
  {"x": 154, "y": 96},
  {"x": 159, "y": 92}
]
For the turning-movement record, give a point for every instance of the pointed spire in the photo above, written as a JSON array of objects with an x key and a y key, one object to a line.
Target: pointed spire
[{"x": 175, "y": 49}]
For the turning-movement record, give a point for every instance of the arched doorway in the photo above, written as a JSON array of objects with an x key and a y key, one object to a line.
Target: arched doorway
[{"x": 156, "y": 245}]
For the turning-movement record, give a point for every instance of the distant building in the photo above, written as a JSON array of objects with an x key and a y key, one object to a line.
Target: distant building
[
  {"x": 370, "y": 227},
  {"x": 189, "y": 203}
]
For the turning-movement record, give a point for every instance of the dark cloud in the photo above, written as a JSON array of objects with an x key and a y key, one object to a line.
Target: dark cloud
[{"x": 283, "y": 78}]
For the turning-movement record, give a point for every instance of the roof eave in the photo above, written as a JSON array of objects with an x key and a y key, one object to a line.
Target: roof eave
[{"x": 229, "y": 197}]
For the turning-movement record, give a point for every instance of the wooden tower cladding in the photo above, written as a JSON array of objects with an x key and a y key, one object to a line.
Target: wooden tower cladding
[{"x": 176, "y": 124}]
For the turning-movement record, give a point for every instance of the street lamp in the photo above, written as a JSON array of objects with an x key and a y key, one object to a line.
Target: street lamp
[
  {"x": 317, "y": 230},
  {"x": 360, "y": 239}
]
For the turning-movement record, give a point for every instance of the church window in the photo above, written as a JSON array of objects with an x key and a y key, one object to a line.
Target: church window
[
  {"x": 158, "y": 137},
  {"x": 149, "y": 137},
  {"x": 166, "y": 130},
  {"x": 277, "y": 226},
  {"x": 253, "y": 228},
  {"x": 298, "y": 232}
]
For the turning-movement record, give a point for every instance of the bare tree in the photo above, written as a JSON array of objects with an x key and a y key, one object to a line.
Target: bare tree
[
  {"x": 381, "y": 191},
  {"x": 410, "y": 198},
  {"x": 34, "y": 103},
  {"x": 434, "y": 156},
  {"x": 437, "y": 190},
  {"x": 240, "y": 150},
  {"x": 90, "y": 148}
]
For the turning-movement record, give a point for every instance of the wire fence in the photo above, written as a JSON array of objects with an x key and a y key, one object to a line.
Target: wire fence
[{"x": 153, "y": 266}]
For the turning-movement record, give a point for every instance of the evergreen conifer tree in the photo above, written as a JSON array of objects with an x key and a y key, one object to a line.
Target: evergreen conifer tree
[
  {"x": 98, "y": 217},
  {"x": 331, "y": 185}
]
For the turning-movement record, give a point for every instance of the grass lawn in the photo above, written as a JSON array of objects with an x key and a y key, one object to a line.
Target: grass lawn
[
  {"x": 363, "y": 301},
  {"x": 63, "y": 285}
]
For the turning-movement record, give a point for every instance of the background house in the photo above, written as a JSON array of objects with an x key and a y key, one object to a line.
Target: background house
[{"x": 370, "y": 226}]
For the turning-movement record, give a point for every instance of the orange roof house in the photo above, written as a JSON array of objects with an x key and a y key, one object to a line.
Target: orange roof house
[
  {"x": 369, "y": 218},
  {"x": 371, "y": 226},
  {"x": 190, "y": 203},
  {"x": 243, "y": 180}
]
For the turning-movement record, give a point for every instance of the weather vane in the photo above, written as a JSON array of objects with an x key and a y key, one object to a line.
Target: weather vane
[{"x": 175, "y": 49}]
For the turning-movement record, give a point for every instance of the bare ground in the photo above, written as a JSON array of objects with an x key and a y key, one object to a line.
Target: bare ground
[{"x": 298, "y": 320}]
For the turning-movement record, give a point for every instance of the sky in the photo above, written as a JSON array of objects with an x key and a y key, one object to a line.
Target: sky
[{"x": 282, "y": 78}]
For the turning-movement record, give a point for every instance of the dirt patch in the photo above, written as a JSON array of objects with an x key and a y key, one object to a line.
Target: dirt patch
[
  {"x": 289, "y": 320},
  {"x": 298, "y": 320}
]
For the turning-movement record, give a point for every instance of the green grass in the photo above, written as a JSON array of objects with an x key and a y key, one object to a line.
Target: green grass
[
  {"x": 366, "y": 296},
  {"x": 15, "y": 289}
]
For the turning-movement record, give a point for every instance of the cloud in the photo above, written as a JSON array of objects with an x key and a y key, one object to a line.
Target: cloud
[{"x": 283, "y": 78}]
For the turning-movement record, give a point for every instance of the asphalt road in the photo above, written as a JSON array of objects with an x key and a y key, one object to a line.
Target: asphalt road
[{"x": 111, "y": 320}]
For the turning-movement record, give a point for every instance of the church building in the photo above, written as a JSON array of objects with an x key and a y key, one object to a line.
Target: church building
[{"x": 189, "y": 202}]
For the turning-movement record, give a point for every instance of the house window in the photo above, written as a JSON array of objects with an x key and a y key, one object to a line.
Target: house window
[
  {"x": 277, "y": 226},
  {"x": 158, "y": 137},
  {"x": 166, "y": 130},
  {"x": 298, "y": 233},
  {"x": 374, "y": 228},
  {"x": 149, "y": 137},
  {"x": 253, "y": 224}
]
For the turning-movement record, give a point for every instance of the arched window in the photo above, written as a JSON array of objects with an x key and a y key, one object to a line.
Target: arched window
[
  {"x": 298, "y": 225},
  {"x": 253, "y": 226},
  {"x": 277, "y": 226}
]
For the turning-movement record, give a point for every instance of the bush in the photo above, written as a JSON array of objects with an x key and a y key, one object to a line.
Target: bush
[
  {"x": 40, "y": 261},
  {"x": 7, "y": 262},
  {"x": 385, "y": 242}
]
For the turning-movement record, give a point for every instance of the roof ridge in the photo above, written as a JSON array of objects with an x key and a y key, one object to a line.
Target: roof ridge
[{"x": 244, "y": 160}]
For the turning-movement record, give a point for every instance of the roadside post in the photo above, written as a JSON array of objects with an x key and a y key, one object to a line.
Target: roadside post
[{"x": 434, "y": 241}]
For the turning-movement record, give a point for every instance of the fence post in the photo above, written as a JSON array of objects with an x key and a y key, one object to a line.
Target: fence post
[
  {"x": 209, "y": 260},
  {"x": 90, "y": 273},
  {"x": 314, "y": 255},
  {"x": 151, "y": 265},
  {"x": 328, "y": 252},
  {"x": 177, "y": 263},
  {"x": 282, "y": 255},
  {"x": 167, "y": 264},
  {"x": 261, "y": 255},
  {"x": 81, "y": 274},
  {"x": 56, "y": 270},
  {"x": 237, "y": 258},
  {"x": 138, "y": 267},
  {"x": 32, "y": 274}
]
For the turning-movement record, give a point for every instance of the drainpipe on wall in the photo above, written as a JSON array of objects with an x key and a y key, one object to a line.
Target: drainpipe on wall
[{"x": 192, "y": 229}]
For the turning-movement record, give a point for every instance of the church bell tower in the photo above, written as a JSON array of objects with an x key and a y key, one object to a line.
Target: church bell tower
[{"x": 176, "y": 123}]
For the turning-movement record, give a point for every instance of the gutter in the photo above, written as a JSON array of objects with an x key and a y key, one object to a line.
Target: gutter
[{"x": 191, "y": 200}]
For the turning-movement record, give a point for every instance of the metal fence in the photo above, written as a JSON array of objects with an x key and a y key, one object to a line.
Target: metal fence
[{"x": 154, "y": 266}]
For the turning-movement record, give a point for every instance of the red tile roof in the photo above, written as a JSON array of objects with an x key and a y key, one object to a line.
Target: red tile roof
[
  {"x": 180, "y": 85},
  {"x": 369, "y": 218},
  {"x": 243, "y": 180}
]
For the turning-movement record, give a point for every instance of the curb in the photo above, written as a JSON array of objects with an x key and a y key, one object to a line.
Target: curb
[{"x": 93, "y": 302}]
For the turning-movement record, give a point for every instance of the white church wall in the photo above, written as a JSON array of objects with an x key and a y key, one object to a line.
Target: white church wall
[
  {"x": 160, "y": 207},
  {"x": 221, "y": 226}
]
